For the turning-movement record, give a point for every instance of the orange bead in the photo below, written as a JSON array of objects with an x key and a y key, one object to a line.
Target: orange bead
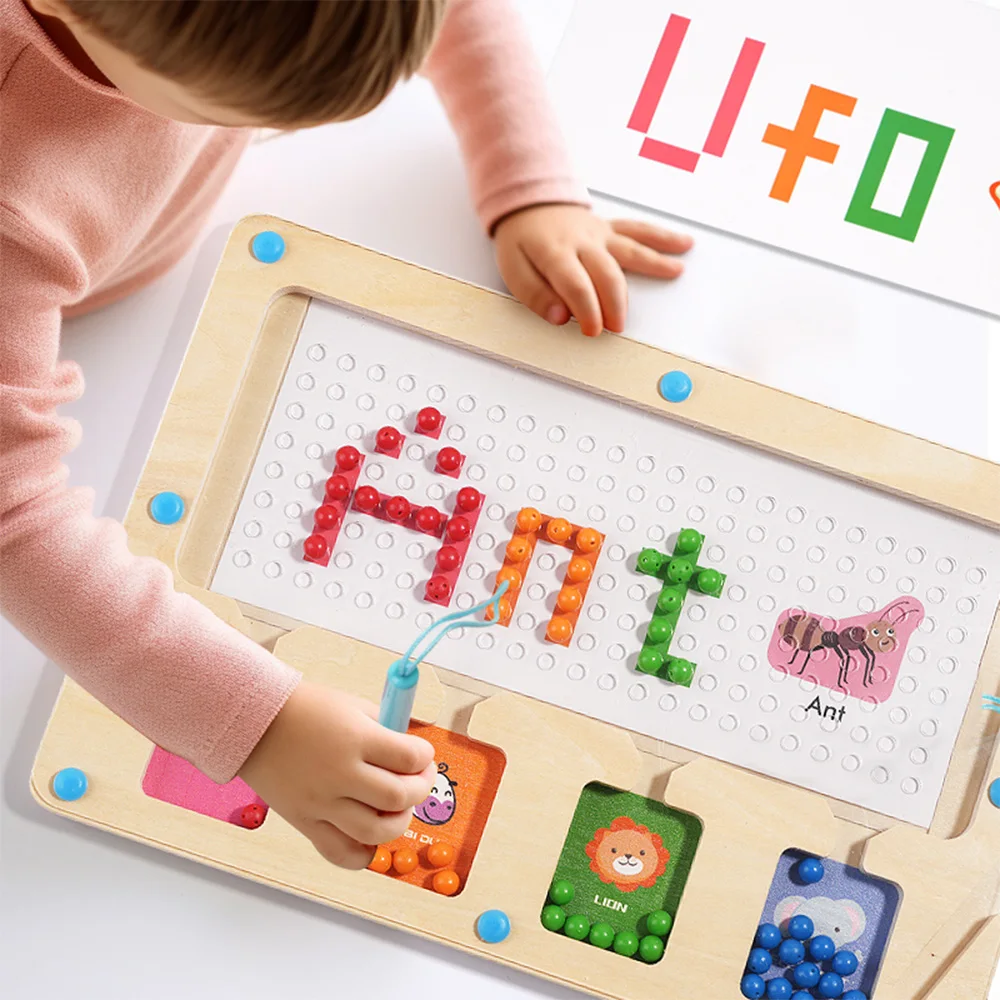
[
  {"x": 518, "y": 549},
  {"x": 440, "y": 854},
  {"x": 505, "y": 610},
  {"x": 588, "y": 540},
  {"x": 512, "y": 576},
  {"x": 559, "y": 630},
  {"x": 569, "y": 599},
  {"x": 447, "y": 883},
  {"x": 405, "y": 860},
  {"x": 579, "y": 570},
  {"x": 382, "y": 861},
  {"x": 528, "y": 520},
  {"x": 558, "y": 530}
]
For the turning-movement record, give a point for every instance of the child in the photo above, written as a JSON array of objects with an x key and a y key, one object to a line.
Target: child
[{"x": 121, "y": 121}]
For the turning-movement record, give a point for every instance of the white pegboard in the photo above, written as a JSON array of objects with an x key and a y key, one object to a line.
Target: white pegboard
[{"x": 785, "y": 535}]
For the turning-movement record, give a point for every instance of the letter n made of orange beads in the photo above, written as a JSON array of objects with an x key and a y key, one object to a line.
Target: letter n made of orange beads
[{"x": 585, "y": 544}]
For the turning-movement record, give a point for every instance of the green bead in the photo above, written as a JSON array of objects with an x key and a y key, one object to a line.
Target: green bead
[
  {"x": 660, "y": 630},
  {"x": 710, "y": 582},
  {"x": 659, "y": 923},
  {"x": 670, "y": 600},
  {"x": 650, "y": 661},
  {"x": 602, "y": 935},
  {"x": 681, "y": 672},
  {"x": 651, "y": 949},
  {"x": 577, "y": 927},
  {"x": 561, "y": 892},
  {"x": 679, "y": 570},
  {"x": 650, "y": 561},
  {"x": 553, "y": 917},
  {"x": 626, "y": 943},
  {"x": 689, "y": 540}
]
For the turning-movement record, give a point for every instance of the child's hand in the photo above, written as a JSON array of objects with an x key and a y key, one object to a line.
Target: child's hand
[
  {"x": 337, "y": 776},
  {"x": 562, "y": 261}
]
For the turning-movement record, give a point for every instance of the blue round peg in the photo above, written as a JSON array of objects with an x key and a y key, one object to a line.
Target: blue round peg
[
  {"x": 675, "y": 386},
  {"x": 493, "y": 926},
  {"x": 268, "y": 247},
  {"x": 69, "y": 784},
  {"x": 995, "y": 793},
  {"x": 166, "y": 507}
]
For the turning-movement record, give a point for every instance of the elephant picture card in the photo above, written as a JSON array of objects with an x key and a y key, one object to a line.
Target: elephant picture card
[{"x": 847, "y": 905}]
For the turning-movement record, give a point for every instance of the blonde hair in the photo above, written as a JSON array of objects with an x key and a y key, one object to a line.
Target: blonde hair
[{"x": 287, "y": 63}]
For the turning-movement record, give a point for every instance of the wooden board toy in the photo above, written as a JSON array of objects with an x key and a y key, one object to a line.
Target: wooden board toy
[{"x": 735, "y": 730}]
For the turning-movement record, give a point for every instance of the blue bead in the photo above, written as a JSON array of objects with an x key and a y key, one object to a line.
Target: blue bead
[
  {"x": 845, "y": 963},
  {"x": 166, "y": 508},
  {"x": 811, "y": 870},
  {"x": 995, "y": 793},
  {"x": 752, "y": 987},
  {"x": 778, "y": 989},
  {"x": 801, "y": 927},
  {"x": 268, "y": 247},
  {"x": 802, "y": 995},
  {"x": 830, "y": 986},
  {"x": 768, "y": 936},
  {"x": 675, "y": 386},
  {"x": 759, "y": 961},
  {"x": 806, "y": 975},
  {"x": 69, "y": 784},
  {"x": 493, "y": 926},
  {"x": 791, "y": 952},
  {"x": 822, "y": 948},
  {"x": 854, "y": 995}
]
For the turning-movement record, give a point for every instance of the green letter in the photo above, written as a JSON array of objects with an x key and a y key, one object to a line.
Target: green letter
[{"x": 893, "y": 124}]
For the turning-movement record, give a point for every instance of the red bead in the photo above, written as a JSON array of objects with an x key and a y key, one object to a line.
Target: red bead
[
  {"x": 252, "y": 816},
  {"x": 366, "y": 498},
  {"x": 468, "y": 499},
  {"x": 388, "y": 440},
  {"x": 457, "y": 529},
  {"x": 449, "y": 460},
  {"x": 429, "y": 519},
  {"x": 438, "y": 589},
  {"x": 337, "y": 488},
  {"x": 429, "y": 420},
  {"x": 315, "y": 546},
  {"x": 397, "y": 508},
  {"x": 348, "y": 457},
  {"x": 327, "y": 517},
  {"x": 448, "y": 559}
]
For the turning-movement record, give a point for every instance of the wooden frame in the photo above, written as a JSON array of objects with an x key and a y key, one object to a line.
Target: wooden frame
[{"x": 946, "y": 939}]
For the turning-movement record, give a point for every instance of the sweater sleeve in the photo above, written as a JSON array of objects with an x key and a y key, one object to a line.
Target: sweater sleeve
[
  {"x": 488, "y": 79},
  {"x": 111, "y": 620}
]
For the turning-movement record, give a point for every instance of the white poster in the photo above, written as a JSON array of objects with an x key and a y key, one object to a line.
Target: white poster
[{"x": 866, "y": 135}]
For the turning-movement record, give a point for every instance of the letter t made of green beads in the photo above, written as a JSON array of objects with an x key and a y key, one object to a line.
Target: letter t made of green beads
[{"x": 679, "y": 573}]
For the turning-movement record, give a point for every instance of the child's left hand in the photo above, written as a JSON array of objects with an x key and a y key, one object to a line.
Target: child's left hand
[{"x": 562, "y": 261}]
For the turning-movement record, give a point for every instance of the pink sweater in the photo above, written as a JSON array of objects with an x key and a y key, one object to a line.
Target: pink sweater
[{"x": 97, "y": 198}]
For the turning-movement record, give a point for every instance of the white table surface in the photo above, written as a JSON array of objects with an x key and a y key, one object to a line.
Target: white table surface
[{"x": 94, "y": 917}]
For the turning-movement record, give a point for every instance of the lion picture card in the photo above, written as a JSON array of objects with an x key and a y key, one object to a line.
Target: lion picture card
[{"x": 623, "y": 866}]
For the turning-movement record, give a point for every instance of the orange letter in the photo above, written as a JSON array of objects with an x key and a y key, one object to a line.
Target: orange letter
[{"x": 801, "y": 141}]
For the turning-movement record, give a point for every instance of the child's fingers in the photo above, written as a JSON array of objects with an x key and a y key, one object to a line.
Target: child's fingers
[
  {"x": 609, "y": 281},
  {"x": 366, "y": 825},
  {"x": 635, "y": 257},
  {"x": 528, "y": 286},
  {"x": 574, "y": 286},
  {"x": 652, "y": 236},
  {"x": 397, "y": 752},
  {"x": 337, "y": 847},
  {"x": 393, "y": 793}
]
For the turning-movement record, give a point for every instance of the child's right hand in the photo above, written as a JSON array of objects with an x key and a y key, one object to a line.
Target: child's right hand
[{"x": 337, "y": 776}]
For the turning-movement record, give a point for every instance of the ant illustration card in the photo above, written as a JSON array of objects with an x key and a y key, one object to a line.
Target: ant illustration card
[{"x": 621, "y": 873}]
